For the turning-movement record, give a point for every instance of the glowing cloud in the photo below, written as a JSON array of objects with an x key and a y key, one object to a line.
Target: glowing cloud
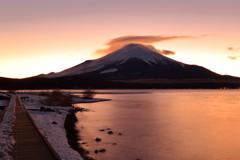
[
  {"x": 163, "y": 52},
  {"x": 233, "y": 57},
  {"x": 167, "y": 52},
  {"x": 233, "y": 49},
  {"x": 119, "y": 42}
]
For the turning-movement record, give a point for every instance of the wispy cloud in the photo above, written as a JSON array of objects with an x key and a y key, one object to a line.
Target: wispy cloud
[
  {"x": 233, "y": 57},
  {"x": 144, "y": 39},
  {"x": 233, "y": 49},
  {"x": 117, "y": 43}
]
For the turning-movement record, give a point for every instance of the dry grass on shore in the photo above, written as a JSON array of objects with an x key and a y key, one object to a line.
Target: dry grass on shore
[{"x": 57, "y": 98}]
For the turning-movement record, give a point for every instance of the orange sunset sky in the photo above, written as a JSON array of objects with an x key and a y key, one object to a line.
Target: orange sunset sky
[{"x": 52, "y": 35}]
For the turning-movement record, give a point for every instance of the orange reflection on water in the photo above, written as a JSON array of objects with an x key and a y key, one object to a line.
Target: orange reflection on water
[{"x": 167, "y": 124}]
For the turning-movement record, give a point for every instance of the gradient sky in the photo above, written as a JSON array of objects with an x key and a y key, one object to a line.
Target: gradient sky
[{"x": 52, "y": 35}]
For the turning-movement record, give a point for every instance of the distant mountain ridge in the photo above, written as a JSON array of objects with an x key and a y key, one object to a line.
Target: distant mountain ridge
[{"x": 135, "y": 61}]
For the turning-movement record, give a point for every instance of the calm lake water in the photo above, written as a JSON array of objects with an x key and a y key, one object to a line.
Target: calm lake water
[{"x": 164, "y": 125}]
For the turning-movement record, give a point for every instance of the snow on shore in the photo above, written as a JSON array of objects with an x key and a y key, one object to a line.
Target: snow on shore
[
  {"x": 54, "y": 133},
  {"x": 6, "y": 139}
]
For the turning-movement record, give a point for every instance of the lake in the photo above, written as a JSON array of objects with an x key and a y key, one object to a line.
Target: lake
[{"x": 163, "y": 125}]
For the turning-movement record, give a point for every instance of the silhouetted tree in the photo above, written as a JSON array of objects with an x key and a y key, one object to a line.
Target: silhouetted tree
[{"x": 88, "y": 93}]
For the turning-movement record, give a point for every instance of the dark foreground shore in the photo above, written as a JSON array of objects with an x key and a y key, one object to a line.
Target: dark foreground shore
[{"x": 72, "y": 135}]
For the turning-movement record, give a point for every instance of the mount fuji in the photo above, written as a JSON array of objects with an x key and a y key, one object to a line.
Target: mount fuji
[
  {"x": 134, "y": 66},
  {"x": 135, "y": 61}
]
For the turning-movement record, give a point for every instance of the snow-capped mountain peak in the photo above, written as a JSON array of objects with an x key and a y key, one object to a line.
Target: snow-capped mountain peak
[
  {"x": 121, "y": 56},
  {"x": 145, "y": 53}
]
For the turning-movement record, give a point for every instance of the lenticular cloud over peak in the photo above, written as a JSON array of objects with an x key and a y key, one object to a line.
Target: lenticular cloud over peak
[{"x": 119, "y": 42}]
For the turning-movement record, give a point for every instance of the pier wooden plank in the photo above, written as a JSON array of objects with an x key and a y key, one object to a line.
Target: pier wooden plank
[{"x": 29, "y": 144}]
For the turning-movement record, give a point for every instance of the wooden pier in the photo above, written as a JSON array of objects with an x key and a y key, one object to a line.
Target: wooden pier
[{"x": 30, "y": 145}]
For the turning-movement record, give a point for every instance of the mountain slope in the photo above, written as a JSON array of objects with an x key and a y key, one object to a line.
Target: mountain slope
[{"x": 134, "y": 61}]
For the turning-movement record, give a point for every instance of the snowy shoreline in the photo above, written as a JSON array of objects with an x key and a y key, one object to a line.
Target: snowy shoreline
[
  {"x": 6, "y": 138},
  {"x": 73, "y": 135},
  {"x": 53, "y": 126},
  {"x": 52, "y": 123}
]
